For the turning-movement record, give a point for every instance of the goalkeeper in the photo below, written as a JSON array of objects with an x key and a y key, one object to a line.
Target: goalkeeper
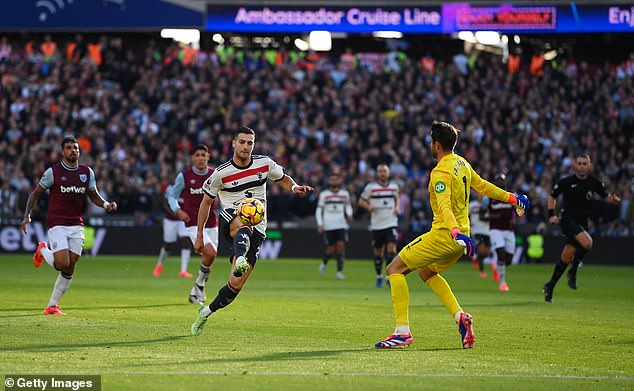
[{"x": 438, "y": 249}]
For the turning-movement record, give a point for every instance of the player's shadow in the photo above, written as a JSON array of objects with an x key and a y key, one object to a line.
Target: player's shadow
[
  {"x": 108, "y": 344},
  {"x": 38, "y": 310},
  {"x": 287, "y": 356}
]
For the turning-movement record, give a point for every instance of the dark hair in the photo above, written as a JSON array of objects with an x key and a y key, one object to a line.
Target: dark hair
[
  {"x": 68, "y": 139},
  {"x": 584, "y": 156},
  {"x": 243, "y": 130},
  {"x": 445, "y": 133},
  {"x": 200, "y": 147}
]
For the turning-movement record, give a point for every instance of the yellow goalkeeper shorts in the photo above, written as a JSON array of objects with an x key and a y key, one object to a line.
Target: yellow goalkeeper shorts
[{"x": 436, "y": 250}]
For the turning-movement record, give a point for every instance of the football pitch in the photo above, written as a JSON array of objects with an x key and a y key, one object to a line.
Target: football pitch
[{"x": 292, "y": 329}]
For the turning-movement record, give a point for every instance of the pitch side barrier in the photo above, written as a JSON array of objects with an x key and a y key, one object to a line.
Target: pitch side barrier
[{"x": 282, "y": 242}]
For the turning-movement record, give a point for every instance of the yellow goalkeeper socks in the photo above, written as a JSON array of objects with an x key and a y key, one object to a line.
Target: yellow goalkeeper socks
[
  {"x": 440, "y": 287},
  {"x": 400, "y": 298}
]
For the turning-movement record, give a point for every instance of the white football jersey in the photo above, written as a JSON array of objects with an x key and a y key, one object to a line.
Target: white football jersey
[
  {"x": 478, "y": 227},
  {"x": 383, "y": 200},
  {"x": 332, "y": 209},
  {"x": 233, "y": 184}
]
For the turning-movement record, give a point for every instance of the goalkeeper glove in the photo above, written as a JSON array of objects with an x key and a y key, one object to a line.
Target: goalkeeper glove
[
  {"x": 522, "y": 204},
  {"x": 464, "y": 241}
]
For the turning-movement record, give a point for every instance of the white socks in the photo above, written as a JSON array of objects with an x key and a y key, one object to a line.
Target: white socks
[
  {"x": 48, "y": 256},
  {"x": 61, "y": 286},
  {"x": 162, "y": 255},
  {"x": 185, "y": 254}
]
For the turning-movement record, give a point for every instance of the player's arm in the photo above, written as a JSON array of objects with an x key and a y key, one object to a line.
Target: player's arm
[
  {"x": 348, "y": 208},
  {"x": 172, "y": 194},
  {"x": 364, "y": 200},
  {"x": 94, "y": 195},
  {"x": 365, "y": 204},
  {"x": 551, "y": 204},
  {"x": 30, "y": 204},
  {"x": 609, "y": 198},
  {"x": 442, "y": 187},
  {"x": 319, "y": 213},
  {"x": 289, "y": 184},
  {"x": 397, "y": 203},
  {"x": 488, "y": 189},
  {"x": 98, "y": 200}
]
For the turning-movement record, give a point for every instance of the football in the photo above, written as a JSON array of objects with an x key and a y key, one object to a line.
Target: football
[{"x": 251, "y": 212}]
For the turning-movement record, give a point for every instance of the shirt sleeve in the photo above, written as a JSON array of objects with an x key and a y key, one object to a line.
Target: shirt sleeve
[
  {"x": 365, "y": 195},
  {"x": 442, "y": 188},
  {"x": 487, "y": 188},
  {"x": 320, "y": 209},
  {"x": 92, "y": 182},
  {"x": 47, "y": 179},
  {"x": 557, "y": 189},
  {"x": 276, "y": 172},
  {"x": 173, "y": 192},
  {"x": 213, "y": 184},
  {"x": 599, "y": 187}
]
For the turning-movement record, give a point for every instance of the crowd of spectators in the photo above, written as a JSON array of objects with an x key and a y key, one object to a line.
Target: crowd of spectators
[{"x": 137, "y": 114}]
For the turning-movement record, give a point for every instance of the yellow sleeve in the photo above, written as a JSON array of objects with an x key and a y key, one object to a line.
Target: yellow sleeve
[
  {"x": 487, "y": 188},
  {"x": 442, "y": 187}
]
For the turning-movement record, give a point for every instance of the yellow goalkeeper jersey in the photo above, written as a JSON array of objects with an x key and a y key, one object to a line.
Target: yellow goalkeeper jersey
[{"x": 449, "y": 191}]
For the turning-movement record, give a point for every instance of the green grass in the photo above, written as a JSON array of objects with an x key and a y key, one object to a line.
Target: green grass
[{"x": 291, "y": 329}]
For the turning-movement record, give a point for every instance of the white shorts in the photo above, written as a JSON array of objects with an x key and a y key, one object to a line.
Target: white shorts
[
  {"x": 504, "y": 239},
  {"x": 210, "y": 235},
  {"x": 62, "y": 237},
  {"x": 172, "y": 230}
]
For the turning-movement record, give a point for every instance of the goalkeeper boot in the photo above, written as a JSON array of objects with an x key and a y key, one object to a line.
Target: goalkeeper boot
[
  {"x": 465, "y": 327},
  {"x": 395, "y": 341},
  {"x": 548, "y": 292},
  {"x": 198, "y": 325},
  {"x": 242, "y": 266}
]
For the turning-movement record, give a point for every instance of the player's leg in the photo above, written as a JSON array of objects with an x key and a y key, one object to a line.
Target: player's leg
[
  {"x": 227, "y": 294},
  {"x": 207, "y": 257},
  {"x": 241, "y": 235},
  {"x": 440, "y": 286},
  {"x": 391, "y": 236},
  {"x": 497, "y": 245},
  {"x": 396, "y": 272},
  {"x": 340, "y": 251},
  {"x": 185, "y": 256},
  {"x": 507, "y": 254},
  {"x": 377, "y": 251},
  {"x": 69, "y": 244},
  {"x": 170, "y": 231},
  {"x": 584, "y": 241},
  {"x": 567, "y": 255},
  {"x": 482, "y": 251},
  {"x": 329, "y": 242}
]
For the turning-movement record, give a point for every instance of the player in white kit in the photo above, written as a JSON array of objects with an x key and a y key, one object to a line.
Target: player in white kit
[{"x": 333, "y": 213}]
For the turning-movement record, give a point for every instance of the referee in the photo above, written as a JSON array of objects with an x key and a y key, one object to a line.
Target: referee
[{"x": 577, "y": 191}]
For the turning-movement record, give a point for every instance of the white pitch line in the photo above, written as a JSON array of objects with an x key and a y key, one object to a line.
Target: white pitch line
[{"x": 316, "y": 374}]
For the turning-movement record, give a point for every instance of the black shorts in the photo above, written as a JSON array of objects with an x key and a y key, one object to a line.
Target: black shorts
[
  {"x": 571, "y": 228},
  {"x": 224, "y": 228},
  {"x": 482, "y": 239},
  {"x": 381, "y": 237},
  {"x": 334, "y": 236}
]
